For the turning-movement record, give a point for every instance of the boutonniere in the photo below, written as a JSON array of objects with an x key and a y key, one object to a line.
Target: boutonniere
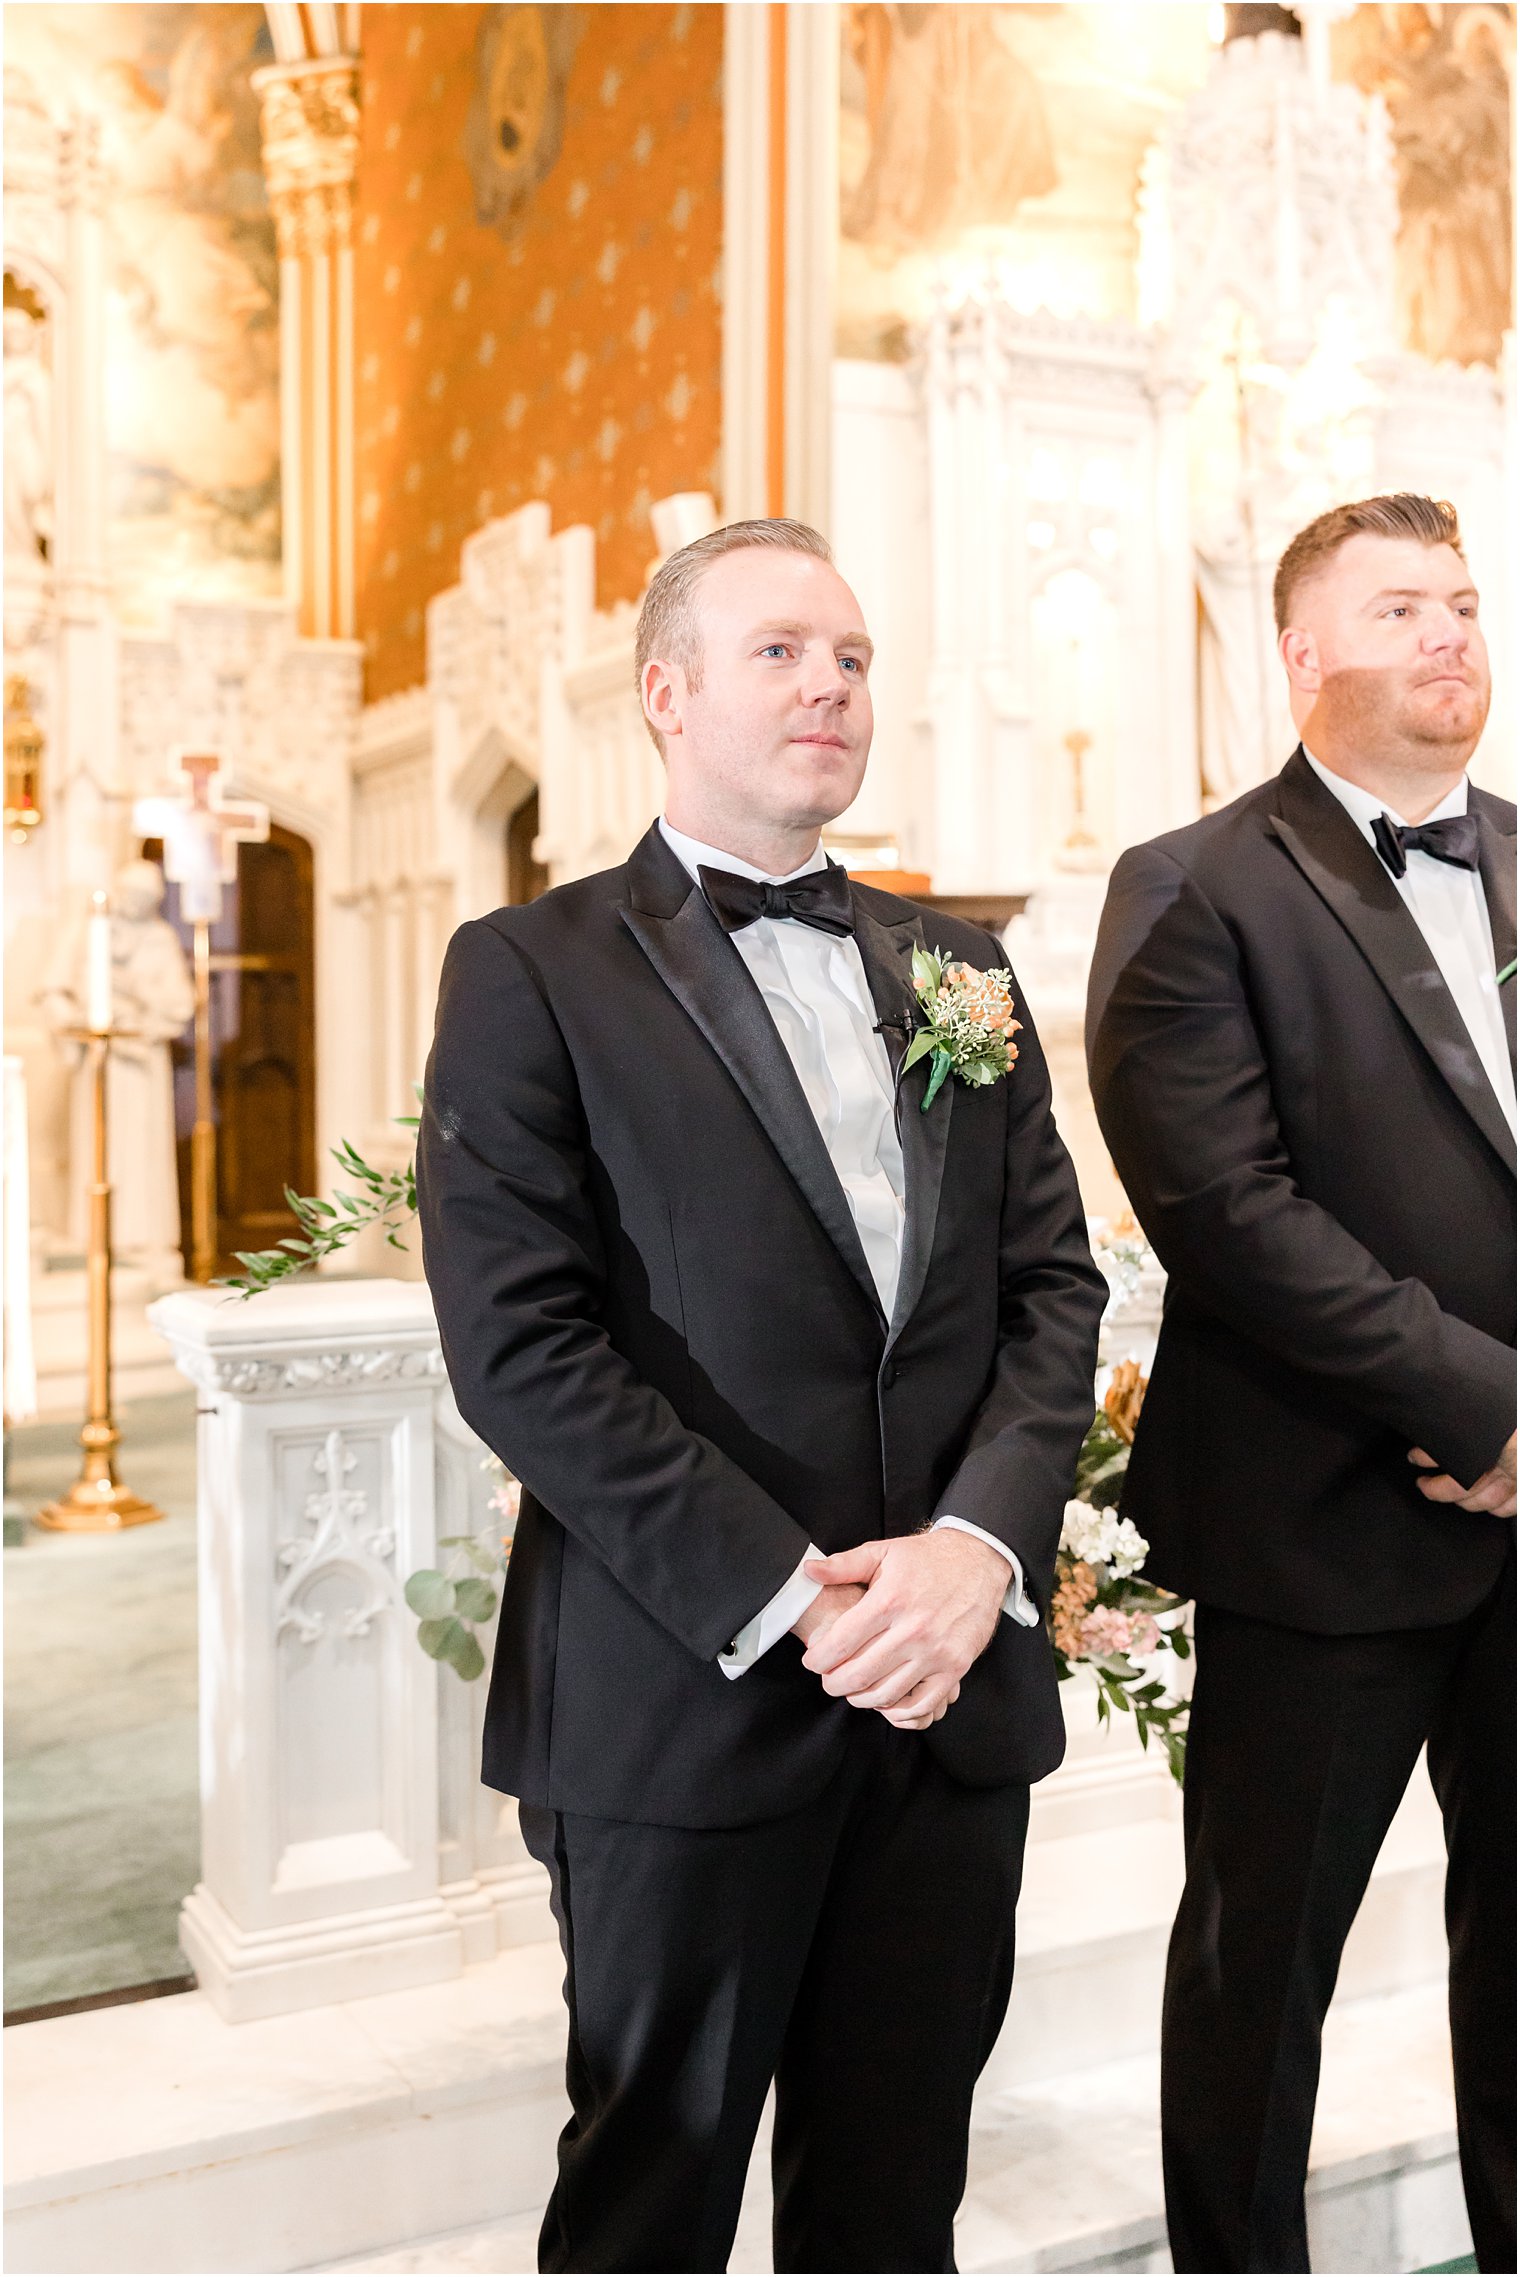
[
  {"x": 1507, "y": 974},
  {"x": 967, "y": 1023}
]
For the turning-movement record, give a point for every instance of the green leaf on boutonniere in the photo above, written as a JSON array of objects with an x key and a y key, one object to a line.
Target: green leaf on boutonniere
[
  {"x": 1508, "y": 973},
  {"x": 937, "y": 1073},
  {"x": 922, "y": 1042},
  {"x": 928, "y": 970}
]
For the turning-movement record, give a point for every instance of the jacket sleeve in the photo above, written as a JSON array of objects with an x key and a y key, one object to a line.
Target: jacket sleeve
[
  {"x": 1017, "y": 1470},
  {"x": 514, "y": 1251},
  {"x": 1184, "y": 1097}
]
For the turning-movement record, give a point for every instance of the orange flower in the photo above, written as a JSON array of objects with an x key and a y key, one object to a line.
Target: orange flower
[{"x": 1124, "y": 1398}]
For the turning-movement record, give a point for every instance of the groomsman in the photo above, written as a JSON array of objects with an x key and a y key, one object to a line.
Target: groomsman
[
  {"x": 728, "y": 1290},
  {"x": 1301, "y": 1033}
]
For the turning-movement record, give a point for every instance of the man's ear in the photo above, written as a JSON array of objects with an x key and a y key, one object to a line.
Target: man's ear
[
  {"x": 1299, "y": 651},
  {"x": 662, "y": 691}
]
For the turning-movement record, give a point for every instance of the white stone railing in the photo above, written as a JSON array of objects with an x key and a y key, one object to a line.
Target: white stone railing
[{"x": 347, "y": 1845}]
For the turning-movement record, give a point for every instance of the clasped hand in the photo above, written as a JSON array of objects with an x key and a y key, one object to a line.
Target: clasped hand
[
  {"x": 898, "y": 1623},
  {"x": 1494, "y": 1491}
]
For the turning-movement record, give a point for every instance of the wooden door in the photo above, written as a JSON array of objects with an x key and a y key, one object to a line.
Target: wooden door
[
  {"x": 526, "y": 877},
  {"x": 263, "y": 1046}
]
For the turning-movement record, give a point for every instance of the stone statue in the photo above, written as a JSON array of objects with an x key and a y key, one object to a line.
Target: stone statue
[
  {"x": 28, "y": 444},
  {"x": 153, "y": 994}
]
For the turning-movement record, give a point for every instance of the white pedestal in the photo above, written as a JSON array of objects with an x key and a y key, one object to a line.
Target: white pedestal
[{"x": 328, "y": 1442}]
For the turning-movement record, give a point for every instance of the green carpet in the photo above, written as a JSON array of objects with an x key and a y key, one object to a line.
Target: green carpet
[{"x": 102, "y": 1811}]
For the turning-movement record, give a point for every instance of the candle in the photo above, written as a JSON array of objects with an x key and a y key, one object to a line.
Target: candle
[{"x": 97, "y": 987}]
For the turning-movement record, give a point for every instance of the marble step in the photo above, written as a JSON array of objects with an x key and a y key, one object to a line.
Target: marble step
[
  {"x": 1096, "y": 1912},
  {"x": 157, "y": 2137},
  {"x": 1065, "y": 2174}
]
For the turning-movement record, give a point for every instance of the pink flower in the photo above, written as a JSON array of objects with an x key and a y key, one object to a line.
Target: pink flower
[{"x": 1105, "y": 1632}]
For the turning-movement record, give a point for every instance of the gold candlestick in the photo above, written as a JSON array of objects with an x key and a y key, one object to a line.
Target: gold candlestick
[
  {"x": 1079, "y": 743},
  {"x": 97, "y": 1502}
]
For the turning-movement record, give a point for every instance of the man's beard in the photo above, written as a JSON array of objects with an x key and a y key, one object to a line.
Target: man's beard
[{"x": 1381, "y": 714}]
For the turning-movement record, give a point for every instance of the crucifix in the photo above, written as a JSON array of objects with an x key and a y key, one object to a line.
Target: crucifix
[{"x": 201, "y": 832}]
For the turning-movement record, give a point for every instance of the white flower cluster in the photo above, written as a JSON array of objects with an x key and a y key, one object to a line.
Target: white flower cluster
[{"x": 1102, "y": 1537}]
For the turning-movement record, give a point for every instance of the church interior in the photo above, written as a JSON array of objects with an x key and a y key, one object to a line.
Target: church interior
[{"x": 361, "y": 364}]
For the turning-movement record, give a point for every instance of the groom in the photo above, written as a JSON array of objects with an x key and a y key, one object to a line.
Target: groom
[
  {"x": 794, "y": 1374},
  {"x": 1302, "y": 1040}
]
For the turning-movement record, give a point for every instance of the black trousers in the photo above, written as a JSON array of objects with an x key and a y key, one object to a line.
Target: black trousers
[
  {"x": 858, "y": 1952},
  {"x": 1299, "y": 1750}
]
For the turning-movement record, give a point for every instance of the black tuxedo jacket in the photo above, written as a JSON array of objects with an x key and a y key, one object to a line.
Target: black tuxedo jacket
[
  {"x": 656, "y": 1309},
  {"x": 1297, "y": 1112}
]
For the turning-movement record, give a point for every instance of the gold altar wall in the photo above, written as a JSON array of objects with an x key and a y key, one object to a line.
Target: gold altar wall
[{"x": 538, "y": 228}]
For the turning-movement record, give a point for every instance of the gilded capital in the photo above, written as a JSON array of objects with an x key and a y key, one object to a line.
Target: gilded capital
[{"x": 310, "y": 120}]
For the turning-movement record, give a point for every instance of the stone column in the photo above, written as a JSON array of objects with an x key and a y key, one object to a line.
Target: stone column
[
  {"x": 319, "y": 1462},
  {"x": 85, "y": 760},
  {"x": 1176, "y": 794},
  {"x": 311, "y": 152}
]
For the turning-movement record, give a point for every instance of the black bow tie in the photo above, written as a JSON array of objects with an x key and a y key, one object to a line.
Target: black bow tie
[
  {"x": 1454, "y": 839},
  {"x": 821, "y": 899}
]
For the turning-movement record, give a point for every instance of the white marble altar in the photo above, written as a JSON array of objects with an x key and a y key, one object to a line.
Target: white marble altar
[{"x": 346, "y": 1850}]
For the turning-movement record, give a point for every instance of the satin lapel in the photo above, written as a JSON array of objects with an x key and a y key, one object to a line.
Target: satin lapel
[
  {"x": 1343, "y": 869},
  {"x": 1496, "y": 867},
  {"x": 886, "y": 951},
  {"x": 710, "y": 981}
]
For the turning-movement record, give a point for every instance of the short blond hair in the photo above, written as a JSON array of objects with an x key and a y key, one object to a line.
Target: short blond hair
[
  {"x": 1398, "y": 514},
  {"x": 668, "y": 627}
]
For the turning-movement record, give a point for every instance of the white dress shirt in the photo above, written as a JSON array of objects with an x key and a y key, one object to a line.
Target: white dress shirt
[
  {"x": 1449, "y": 906},
  {"x": 815, "y": 989}
]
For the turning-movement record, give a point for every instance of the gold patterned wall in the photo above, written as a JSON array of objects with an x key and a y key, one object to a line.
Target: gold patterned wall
[{"x": 538, "y": 231}]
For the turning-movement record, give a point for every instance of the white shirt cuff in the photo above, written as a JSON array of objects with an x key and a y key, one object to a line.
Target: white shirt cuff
[
  {"x": 772, "y": 1621},
  {"x": 1017, "y": 1602}
]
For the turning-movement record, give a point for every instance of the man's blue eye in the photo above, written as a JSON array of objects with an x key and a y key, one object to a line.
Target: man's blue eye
[
  {"x": 777, "y": 648},
  {"x": 850, "y": 663}
]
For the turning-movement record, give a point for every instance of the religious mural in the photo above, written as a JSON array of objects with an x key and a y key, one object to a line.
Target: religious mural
[
  {"x": 517, "y": 115},
  {"x": 1016, "y": 134},
  {"x": 539, "y": 228},
  {"x": 192, "y": 304},
  {"x": 1007, "y": 133},
  {"x": 28, "y": 430},
  {"x": 1445, "y": 75}
]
